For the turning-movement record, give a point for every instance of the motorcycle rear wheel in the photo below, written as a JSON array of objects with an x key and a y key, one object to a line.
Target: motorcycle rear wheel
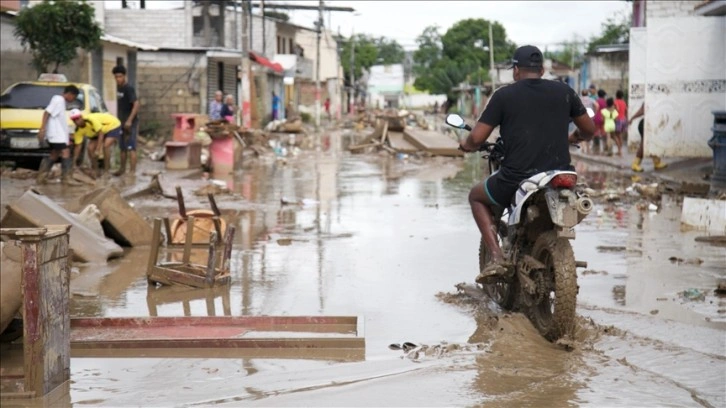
[
  {"x": 503, "y": 293},
  {"x": 554, "y": 314}
]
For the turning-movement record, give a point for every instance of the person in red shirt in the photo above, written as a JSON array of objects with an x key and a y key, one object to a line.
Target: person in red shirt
[
  {"x": 621, "y": 123},
  {"x": 327, "y": 107}
]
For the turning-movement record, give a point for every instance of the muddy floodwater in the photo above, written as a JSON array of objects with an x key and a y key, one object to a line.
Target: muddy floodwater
[{"x": 388, "y": 239}]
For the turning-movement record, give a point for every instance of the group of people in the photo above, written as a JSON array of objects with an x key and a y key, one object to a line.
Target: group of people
[
  {"x": 99, "y": 130},
  {"x": 222, "y": 107},
  {"x": 611, "y": 121}
]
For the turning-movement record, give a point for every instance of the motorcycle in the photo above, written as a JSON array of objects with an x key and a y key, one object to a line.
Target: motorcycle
[{"x": 534, "y": 233}]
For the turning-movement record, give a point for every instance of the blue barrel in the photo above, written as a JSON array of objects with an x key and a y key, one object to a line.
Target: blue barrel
[{"x": 718, "y": 144}]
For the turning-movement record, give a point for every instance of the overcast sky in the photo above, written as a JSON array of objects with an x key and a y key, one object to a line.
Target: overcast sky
[{"x": 541, "y": 23}]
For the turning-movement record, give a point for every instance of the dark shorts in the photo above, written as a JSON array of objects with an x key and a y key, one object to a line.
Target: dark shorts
[
  {"x": 640, "y": 128},
  {"x": 58, "y": 146},
  {"x": 500, "y": 189},
  {"x": 115, "y": 133},
  {"x": 127, "y": 141},
  {"x": 621, "y": 125}
]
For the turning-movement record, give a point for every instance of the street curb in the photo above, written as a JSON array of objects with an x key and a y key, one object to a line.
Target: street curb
[{"x": 597, "y": 160}]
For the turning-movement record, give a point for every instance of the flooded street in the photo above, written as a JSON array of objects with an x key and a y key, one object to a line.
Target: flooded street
[{"x": 387, "y": 239}]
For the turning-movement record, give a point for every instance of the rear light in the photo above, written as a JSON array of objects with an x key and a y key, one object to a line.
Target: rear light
[{"x": 564, "y": 181}]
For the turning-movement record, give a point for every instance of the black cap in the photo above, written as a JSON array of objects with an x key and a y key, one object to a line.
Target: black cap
[{"x": 527, "y": 56}]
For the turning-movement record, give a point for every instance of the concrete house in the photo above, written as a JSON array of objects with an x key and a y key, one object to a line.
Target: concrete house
[
  {"x": 94, "y": 67},
  {"x": 197, "y": 55},
  {"x": 607, "y": 68},
  {"x": 677, "y": 68}
]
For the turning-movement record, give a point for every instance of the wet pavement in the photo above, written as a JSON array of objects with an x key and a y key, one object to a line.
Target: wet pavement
[{"x": 388, "y": 239}]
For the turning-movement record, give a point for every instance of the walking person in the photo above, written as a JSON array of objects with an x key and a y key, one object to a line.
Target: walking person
[
  {"x": 600, "y": 136},
  {"x": 127, "y": 105},
  {"x": 621, "y": 123},
  {"x": 588, "y": 103},
  {"x": 327, "y": 108},
  {"x": 610, "y": 115},
  {"x": 657, "y": 162},
  {"x": 54, "y": 130},
  {"x": 215, "y": 106},
  {"x": 275, "y": 106}
]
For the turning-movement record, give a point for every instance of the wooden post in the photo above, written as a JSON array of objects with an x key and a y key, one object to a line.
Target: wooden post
[
  {"x": 227, "y": 255},
  {"x": 154, "y": 253},
  {"x": 189, "y": 240},
  {"x": 46, "y": 296},
  {"x": 212, "y": 260}
]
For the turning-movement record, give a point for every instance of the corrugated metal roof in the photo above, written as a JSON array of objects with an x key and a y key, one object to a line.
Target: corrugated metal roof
[{"x": 127, "y": 43}]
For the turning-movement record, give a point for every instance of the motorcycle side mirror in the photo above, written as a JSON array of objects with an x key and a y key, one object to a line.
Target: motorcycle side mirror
[
  {"x": 590, "y": 112},
  {"x": 455, "y": 120}
]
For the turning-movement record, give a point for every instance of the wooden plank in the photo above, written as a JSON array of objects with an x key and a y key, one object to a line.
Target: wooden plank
[
  {"x": 433, "y": 142},
  {"x": 227, "y": 255},
  {"x": 356, "y": 353},
  {"x": 310, "y": 324},
  {"x": 400, "y": 144}
]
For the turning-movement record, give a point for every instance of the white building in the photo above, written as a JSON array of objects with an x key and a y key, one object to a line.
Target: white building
[
  {"x": 385, "y": 86},
  {"x": 678, "y": 69}
]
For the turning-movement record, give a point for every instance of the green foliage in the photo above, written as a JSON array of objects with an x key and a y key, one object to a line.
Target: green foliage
[
  {"x": 615, "y": 30},
  {"x": 52, "y": 31},
  {"x": 571, "y": 53},
  {"x": 306, "y": 117},
  {"x": 370, "y": 51},
  {"x": 442, "y": 62},
  {"x": 278, "y": 15}
]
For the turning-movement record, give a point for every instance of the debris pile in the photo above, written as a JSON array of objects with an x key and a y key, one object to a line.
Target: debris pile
[{"x": 401, "y": 133}]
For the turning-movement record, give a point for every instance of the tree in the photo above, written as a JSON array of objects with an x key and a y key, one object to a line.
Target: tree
[
  {"x": 615, "y": 30},
  {"x": 570, "y": 54},
  {"x": 277, "y": 15},
  {"x": 442, "y": 62},
  {"x": 389, "y": 51},
  {"x": 52, "y": 31},
  {"x": 370, "y": 51}
]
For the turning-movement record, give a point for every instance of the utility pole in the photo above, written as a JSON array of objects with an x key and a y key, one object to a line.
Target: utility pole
[
  {"x": 351, "y": 108},
  {"x": 244, "y": 102},
  {"x": 317, "y": 67},
  {"x": 491, "y": 56},
  {"x": 264, "y": 35}
]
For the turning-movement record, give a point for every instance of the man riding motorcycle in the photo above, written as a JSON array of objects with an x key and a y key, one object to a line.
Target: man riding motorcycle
[{"x": 534, "y": 116}]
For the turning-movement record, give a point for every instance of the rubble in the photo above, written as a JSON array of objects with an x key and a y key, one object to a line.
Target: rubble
[
  {"x": 33, "y": 209},
  {"x": 120, "y": 221}
]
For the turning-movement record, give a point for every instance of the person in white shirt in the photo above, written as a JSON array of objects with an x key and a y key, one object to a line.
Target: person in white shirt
[{"x": 54, "y": 129}]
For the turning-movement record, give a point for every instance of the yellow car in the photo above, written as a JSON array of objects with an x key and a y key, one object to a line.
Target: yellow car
[{"x": 21, "y": 111}]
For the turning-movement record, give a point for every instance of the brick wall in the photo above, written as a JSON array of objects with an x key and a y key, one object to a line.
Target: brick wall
[
  {"x": 670, "y": 8},
  {"x": 162, "y": 28},
  {"x": 306, "y": 93},
  {"x": 169, "y": 83}
]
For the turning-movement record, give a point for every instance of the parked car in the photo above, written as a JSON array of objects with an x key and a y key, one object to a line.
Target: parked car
[{"x": 21, "y": 113}]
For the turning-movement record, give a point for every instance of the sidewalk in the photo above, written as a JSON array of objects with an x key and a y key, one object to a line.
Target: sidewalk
[{"x": 687, "y": 172}]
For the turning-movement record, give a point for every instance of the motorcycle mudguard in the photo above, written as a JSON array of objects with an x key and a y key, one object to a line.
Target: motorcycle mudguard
[{"x": 529, "y": 187}]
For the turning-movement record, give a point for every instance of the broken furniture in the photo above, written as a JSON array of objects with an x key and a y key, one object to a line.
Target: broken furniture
[
  {"x": 164, "y": 295},
  {"x": 185, "y": 272},
  {"x": 183, "y": 155},
  {"x": 45, "y": 308},
  {"x": 34, "y": 210},
  {"x": 206, "y": 222},
  {"x": 120, "y": 221}
]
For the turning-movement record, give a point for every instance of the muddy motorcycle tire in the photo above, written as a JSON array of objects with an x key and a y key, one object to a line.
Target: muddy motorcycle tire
[
  {"x": 501, "y": 293},
  {"x": 554, "y": 314}
]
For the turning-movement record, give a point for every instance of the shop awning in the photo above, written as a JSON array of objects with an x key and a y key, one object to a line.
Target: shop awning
[{"x": 264, "y": 61}]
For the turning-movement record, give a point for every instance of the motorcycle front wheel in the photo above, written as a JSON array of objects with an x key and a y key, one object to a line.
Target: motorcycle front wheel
[
  {"x": 503, "y": 293},
  {"x": 554, "y": 312}
]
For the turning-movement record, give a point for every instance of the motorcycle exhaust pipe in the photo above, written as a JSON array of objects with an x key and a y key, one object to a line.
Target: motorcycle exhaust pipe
[{"x": 584, "y": 205}]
